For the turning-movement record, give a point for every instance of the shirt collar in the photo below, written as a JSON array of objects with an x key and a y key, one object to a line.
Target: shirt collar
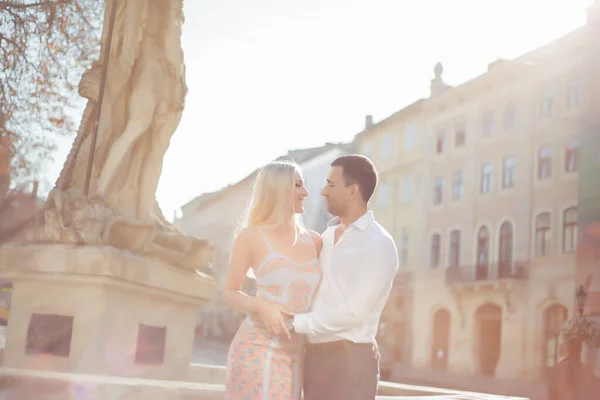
[{"x": 361, "y": 223}]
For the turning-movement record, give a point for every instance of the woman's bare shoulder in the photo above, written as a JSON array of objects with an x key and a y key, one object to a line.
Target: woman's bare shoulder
[{"x": 317, "y": 240}]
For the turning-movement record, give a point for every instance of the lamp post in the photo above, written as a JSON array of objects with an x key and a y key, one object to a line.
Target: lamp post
[{"x": 580, "y": 296}]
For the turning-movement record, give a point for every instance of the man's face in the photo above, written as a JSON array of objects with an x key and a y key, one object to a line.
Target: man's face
[{"x": 337, "y": 191}]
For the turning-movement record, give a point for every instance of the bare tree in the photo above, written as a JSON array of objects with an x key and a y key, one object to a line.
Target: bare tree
[{"x": 45, "y": 45}]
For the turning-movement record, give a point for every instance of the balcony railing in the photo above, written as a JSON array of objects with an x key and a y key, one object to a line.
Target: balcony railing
[{"x": 492, "y": 272}]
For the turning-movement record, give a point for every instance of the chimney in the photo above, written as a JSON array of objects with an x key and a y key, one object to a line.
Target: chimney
[{"x": 368, "y": 121}]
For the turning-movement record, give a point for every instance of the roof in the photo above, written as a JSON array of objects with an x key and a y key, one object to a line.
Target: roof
[
  {"x": 520, "y": 63},
  {"x": 302, "y": 155},
  {"x": 404, "y": 112},
  {"x": 207, "y": 199},
  {"x": 299, "y": 156}
]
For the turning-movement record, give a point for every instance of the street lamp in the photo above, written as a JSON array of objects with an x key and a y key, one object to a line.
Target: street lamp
[{"x": 580, "y": 296}]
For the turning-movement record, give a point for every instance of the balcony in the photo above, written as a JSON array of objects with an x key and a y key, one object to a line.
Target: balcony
[{"x": 487, "y": 273}]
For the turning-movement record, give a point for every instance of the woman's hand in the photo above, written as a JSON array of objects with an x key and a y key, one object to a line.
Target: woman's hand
[
  {"x": 376, "y": 349},
  {"x": 272, "y": 315}
]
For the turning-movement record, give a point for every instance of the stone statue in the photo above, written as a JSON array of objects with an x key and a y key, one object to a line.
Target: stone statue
[{"x": 143, "y": 102}]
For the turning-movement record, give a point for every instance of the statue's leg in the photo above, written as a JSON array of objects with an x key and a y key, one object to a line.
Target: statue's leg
[
  {"x": 153, "y": 163},
  {"x": 141, "y": 110}
]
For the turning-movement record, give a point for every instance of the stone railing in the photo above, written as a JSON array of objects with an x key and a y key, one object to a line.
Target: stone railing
[{"x": 491, "y": 272}]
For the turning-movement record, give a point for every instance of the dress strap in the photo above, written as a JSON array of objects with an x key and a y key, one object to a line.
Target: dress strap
[
  {"x": 266, "y": 240},
  {"x": 312, "y": 243}
]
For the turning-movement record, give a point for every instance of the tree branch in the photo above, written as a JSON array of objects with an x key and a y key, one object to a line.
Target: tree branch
[
  {"x": 10, "y": 4},
  {"x": 8, "y": 40}
]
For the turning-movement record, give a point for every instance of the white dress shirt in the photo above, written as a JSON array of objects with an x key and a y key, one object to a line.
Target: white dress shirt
[{"x": 357, "y": 278}]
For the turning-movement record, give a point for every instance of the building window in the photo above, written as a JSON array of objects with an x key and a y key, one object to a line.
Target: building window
[
  {"x": 510, "y": 116},
  {"x": 460, "y": 134},
  {"x": 457, "y": 185},
  {"x": 510, "y": 170},
  {"x": 505, "y": 250},
  {"x": 440, "y": 142},
  {"x": 487, "y": 128},
  {"x": 383, "y": 195},
  {"x": 573, "y": 93},
  {"x": 387, "y": 145},
  {"x": 570, "y": 230},
  {"x": 438, "y": 190},
  {"x": 483, "y": 246},
  {"x": 542, "y": 235},
  {"x": 545, "y": 162},
  {"x": 554, "y": 318},
  {"x": 410, "y": 133},
  {"x": 404, "y": 247},
  {"x": 547, "y": 103},
  {"x": 435, "y": 250},
  {"x": 454, "y": 260},
  {"x": 487, "y": 172},
  {"x": 572, "y": 155},
  {"x": 407, "y": 188}
]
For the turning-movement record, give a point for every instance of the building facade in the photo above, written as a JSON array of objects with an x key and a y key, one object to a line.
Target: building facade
[
  {"x": 500, "y": 179},
  {"x": 395, "y": 147},
  {"x": 588, "y": 251}
]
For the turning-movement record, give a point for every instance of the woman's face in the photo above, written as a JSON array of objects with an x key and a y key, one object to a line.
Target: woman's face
[{"x": 300, "y": 194}]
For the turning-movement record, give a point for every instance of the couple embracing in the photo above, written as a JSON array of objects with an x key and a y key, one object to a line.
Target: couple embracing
[{"x": 311, "y": 328}]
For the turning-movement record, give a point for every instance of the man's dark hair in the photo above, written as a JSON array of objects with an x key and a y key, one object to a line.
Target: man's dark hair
[{"x": 360, "y": 170}]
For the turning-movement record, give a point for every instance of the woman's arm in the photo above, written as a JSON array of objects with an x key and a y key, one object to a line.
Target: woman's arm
[{"x": 241, "y": 260}]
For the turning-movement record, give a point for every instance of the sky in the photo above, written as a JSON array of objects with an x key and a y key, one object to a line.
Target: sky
[{"x": 267, "y": 76}]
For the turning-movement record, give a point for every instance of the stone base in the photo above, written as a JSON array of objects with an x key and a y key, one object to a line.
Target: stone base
[
  {"x": 98, "y": 310},
  {"x": 39, "y": 385},
  {"x": 200, "y": 373}
]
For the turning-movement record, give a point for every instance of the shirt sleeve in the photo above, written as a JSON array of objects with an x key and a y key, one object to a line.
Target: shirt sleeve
[{"x": 370, "y": 284}]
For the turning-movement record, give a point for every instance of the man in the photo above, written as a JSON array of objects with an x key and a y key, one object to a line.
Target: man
[{"x": 359, "y": 262}]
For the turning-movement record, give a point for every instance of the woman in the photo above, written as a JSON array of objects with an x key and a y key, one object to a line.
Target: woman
[{"x": 264, "y": 359}]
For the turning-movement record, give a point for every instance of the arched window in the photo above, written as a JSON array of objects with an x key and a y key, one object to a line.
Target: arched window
[
  {"x": 436, "y": 241},
  {"x": 570, "y": 230},
  {"x": 454, "y": 259},
  {"x": 542, "y": 235},
  {"x": 483, "y": 253},
  {"x": 505, "y": 248},
  {"x": 483, "y": 246}
]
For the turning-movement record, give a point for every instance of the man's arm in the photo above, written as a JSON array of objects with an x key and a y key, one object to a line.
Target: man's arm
[{"x": 369, "y": 285}]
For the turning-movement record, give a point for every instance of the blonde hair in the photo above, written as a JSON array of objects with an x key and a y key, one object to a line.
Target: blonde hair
[{"x": 272, "y": 197}]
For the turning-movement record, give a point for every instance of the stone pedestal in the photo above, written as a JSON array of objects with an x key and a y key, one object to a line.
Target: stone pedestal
[{"x": 98, "y": 310}]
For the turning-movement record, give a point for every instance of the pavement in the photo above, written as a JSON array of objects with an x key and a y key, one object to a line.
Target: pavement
[
  {"x": 210, "y": 352},
  {"x": 214, "y": 353}
]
